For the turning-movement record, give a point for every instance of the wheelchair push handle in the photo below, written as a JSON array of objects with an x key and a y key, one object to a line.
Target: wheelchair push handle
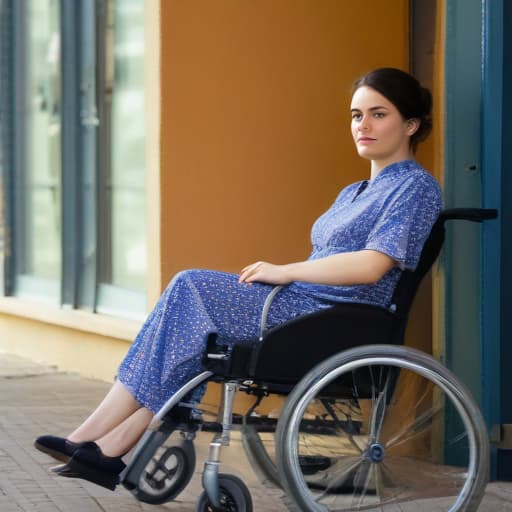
[{"x": 471, "y": 214}]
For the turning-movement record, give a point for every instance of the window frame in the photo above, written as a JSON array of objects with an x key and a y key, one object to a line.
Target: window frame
[{"x": 6, "y": 142}]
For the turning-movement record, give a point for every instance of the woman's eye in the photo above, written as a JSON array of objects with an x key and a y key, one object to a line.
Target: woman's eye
[
  {"x": 379, "y": 115},
  {"x": 357, "y": 117}
]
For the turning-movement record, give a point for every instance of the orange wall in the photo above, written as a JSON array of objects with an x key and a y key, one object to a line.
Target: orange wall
[{"x": 255, "y": 139}]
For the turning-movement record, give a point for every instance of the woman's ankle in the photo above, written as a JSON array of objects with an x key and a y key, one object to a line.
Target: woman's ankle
[
  {"x": 112, "y": 451},
  {"x": 73, "y": 438}
]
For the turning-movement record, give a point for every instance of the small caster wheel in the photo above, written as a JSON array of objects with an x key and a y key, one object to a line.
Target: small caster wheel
[
  {"x": 167, "y": 474},
  {"x": 234, "y": 496}
]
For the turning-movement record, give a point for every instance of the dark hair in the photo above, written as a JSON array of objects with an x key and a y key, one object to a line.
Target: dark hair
[{"x": 405, "y": 92}]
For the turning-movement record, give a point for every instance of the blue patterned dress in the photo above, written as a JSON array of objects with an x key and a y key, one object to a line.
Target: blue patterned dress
[{"x": 393, "y": 214}]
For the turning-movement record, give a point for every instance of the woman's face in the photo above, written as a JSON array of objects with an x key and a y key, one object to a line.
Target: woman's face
[{"x": 380, "y": 132}]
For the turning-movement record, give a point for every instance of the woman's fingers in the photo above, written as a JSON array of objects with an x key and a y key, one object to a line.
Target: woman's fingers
[
  {"x": 249, "y": 270},
  {"x": 254, "y": 275},
  {"x": 249, "y": 273},
  {"x": 253, "y": 266},
  {"x": 263, "y": 272}
]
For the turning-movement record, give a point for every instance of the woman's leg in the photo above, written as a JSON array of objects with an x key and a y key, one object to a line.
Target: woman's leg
[
  {"x": 167, "y": 353},
  {"x": 197, "y": 305},
  {"x": 116, "y": 407},
  {"x": 123, "y": 438},
  {"x": 168, "y": 350}
]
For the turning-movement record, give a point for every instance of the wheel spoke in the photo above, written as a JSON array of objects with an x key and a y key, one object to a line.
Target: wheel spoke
[
  {"x": 342, "y": 430},
  {"x": 415, "y": 428},
  {"x": 362, "y": 483},
  {"x": 378, "y": 410},
  {"x": 341, "y": 479}
]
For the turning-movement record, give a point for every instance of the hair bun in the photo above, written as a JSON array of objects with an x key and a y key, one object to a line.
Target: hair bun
[{"x": 426, "y": 100}]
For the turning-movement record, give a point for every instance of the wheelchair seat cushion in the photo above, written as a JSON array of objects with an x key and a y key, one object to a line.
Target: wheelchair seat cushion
[{"x": 290, "y": 350}]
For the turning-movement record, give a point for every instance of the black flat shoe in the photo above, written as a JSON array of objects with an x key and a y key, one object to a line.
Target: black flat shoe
[
  {"x": 89, "y": 463},
  {"x": 57, "y": 447}
]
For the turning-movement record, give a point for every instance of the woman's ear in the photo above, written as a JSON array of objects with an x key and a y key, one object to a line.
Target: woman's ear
[{"x": 412, "y": 126}]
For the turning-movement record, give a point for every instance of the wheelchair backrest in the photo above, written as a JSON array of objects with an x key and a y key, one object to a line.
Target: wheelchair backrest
[{"x": 410, "y": 280}]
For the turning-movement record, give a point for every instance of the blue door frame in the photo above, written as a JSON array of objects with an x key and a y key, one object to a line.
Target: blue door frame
[
  {"x": 463, "y": 188},
  {"x": 505, "y": 459},
  {"x": 497, "y": 300},
  {"x": 478, "y": 328}
]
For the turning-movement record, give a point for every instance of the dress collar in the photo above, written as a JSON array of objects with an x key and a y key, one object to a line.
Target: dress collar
[{"x": 395, "y": 168}]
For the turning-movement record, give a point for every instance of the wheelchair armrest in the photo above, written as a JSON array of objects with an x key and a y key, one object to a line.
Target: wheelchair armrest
[
  {"x": 288, "y": 351},
  {"x": 471, "y": 214}
]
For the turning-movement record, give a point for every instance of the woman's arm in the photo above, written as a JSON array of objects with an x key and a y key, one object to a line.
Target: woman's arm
[{"x": 349, "y": 268}]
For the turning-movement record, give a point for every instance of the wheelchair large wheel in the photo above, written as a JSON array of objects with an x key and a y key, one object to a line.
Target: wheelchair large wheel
[
  {"x": 168, "y": 473},
  {"x": 234, "y": 496},
  {"x": 420, "y": 442},
  {"x": 257, "y": 451}
]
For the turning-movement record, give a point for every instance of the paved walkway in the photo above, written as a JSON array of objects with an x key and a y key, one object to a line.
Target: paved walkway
[{"x": 35, "y": 399}]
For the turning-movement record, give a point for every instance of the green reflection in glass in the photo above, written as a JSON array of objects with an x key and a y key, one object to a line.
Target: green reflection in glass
[
  {"x": 42, "y": 185},
  {"x": 128, "y": 159}
]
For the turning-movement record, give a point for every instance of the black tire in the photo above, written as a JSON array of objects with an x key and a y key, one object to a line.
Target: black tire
[
  {"x": 261, "y": 461},
  {"x": 167, "y": 474},
  {"x": 234, "y": 496},
  {"x": 422, "y": 444}
]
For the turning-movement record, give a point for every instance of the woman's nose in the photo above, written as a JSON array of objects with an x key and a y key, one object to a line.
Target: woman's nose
[{"x": 364, "y": 124}]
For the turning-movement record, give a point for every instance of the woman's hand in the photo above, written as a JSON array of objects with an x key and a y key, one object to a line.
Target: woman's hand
[{"x": 263, "y": 272}]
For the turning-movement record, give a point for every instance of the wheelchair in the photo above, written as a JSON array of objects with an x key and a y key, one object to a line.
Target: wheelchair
[{"x": 368, "y": 424}]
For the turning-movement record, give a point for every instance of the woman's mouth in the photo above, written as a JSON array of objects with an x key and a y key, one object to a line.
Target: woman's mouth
[{"x": 365, "y": 140}]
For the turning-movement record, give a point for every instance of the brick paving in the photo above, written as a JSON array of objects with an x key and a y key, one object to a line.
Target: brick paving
[
  {"x": 38, "y": 399},
  {"x": 35, "y": 400}
]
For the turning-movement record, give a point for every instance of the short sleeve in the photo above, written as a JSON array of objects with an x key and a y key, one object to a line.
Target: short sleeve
[{"x": 406, "y": 221}]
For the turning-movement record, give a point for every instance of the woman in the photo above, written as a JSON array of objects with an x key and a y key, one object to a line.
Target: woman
[{"x": 374, "y": 230}]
